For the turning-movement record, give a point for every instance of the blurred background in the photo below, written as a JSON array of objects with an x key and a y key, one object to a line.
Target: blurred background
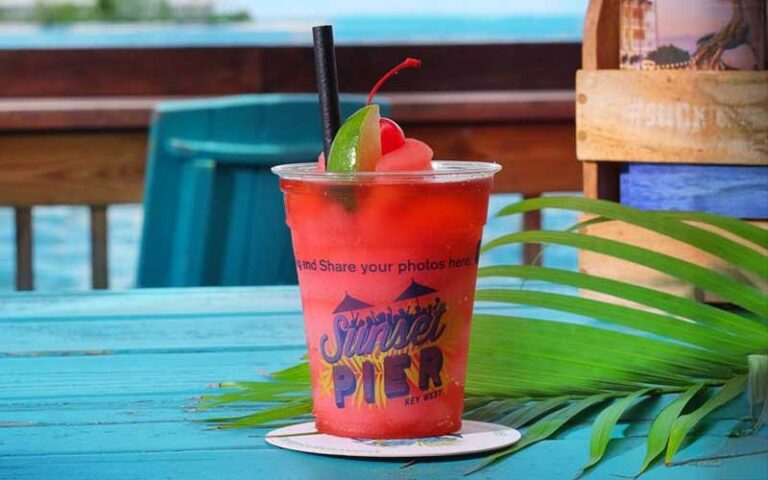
[
  {"x": 505, "y": 66},
  {"x": 237, "y": 21}
]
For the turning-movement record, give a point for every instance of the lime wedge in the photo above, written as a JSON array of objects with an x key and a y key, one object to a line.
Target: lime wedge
[{"x": 357, "y": 146}]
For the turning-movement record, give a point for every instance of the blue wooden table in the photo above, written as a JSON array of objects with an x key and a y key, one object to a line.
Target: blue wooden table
[{"x": 100, "y": 386}]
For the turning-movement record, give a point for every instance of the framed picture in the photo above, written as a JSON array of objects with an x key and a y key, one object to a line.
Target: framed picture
[{"x": 693, "y": 34}]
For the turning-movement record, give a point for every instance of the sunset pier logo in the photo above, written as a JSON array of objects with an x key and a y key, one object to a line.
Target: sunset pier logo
[{"x": 375, "y": 355}]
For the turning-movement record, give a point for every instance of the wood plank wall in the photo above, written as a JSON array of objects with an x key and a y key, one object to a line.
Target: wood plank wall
[{"x": 230, "y": 70}]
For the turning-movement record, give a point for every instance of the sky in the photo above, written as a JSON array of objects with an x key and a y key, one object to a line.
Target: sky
[{"x": 336, "y": 8}]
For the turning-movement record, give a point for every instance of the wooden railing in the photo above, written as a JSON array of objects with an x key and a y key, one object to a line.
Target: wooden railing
[
  {"x": 24, "y": 251},
  {"x": 81, "y": 139}
]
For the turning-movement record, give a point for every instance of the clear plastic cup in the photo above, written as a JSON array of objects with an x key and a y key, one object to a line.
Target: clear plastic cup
[{"x": 387, "y": 265}]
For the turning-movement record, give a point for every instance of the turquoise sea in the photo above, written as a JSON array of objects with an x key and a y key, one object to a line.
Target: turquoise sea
[{"x": 347, "y": 30}]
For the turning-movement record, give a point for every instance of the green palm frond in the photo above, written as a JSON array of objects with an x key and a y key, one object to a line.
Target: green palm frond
[
  {"x": 658, "y": 435},
  {"x": 733, "y": 252},
  {"x": 539, "y": 374}
]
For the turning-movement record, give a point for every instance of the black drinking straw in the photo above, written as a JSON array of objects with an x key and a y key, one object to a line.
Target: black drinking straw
[{"x": 327, "y": 84}]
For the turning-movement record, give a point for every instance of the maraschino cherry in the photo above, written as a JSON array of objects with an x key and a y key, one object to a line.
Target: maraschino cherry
[{"x": 392, "y": 136}]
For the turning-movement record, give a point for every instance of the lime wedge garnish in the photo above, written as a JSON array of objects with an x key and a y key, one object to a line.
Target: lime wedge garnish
[{"x": 357, "y": 146}]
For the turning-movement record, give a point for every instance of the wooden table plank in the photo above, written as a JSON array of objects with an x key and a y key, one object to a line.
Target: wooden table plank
[
  {"x": 129, "y": 434},
  {"x": 145, "y": 332},
  {"x": 252, "y": 463},
  {"x": 111, "y": 408},
  {"x": 555, "y": 459},
  {"x": 100, "y": 385},
  {"x": 125, "y": 304},
  {"x": 160, "y": 372}
]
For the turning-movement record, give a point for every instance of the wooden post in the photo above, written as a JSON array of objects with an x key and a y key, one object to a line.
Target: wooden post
[
  {"x": 532, "y": 251},
  {"x": 24, "y": 274},
  {"x": 99, "y": 257},
  {"x": 600, "y": 47},
  {"x": 599, "y": 50},
  {"x": 601, "y": 180}
]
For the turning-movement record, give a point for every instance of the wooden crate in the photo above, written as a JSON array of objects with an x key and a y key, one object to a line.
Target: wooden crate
[
  {"x": 672, "y": 116},
  {"x": 665, "y": 117}
]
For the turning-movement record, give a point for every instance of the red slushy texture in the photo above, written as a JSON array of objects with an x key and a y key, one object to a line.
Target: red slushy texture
[{"x": 360, "y": 247}]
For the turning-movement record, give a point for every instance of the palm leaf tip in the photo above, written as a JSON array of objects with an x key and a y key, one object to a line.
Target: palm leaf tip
[
  {"x": 605, "y": 422},
  {"x": 658, "y": 434},
  {"x": 522, "y": 416},
  {"x": 284, "y": 411},
  {"x": 685, "y": 423},
  {"x": 544, "y": 428},
  {"x": 493, "y": 410},
  {"x": 758, "y": 389}
]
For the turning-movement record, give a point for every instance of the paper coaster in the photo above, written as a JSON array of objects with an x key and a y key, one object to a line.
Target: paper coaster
[{"x": 473, "y": 437}]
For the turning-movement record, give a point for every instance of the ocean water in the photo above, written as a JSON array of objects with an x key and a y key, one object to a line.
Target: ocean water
[
  {"x": 62, "y": 251},
  {"x": 62, "y": 247},
  {"x": 347, "y": 30}
]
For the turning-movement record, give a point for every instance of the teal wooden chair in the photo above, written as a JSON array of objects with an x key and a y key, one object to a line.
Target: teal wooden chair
[{"x": 213, "y": 211}]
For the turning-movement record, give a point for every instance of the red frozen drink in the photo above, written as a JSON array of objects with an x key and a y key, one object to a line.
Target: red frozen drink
[{"x": 386, "y": 245}]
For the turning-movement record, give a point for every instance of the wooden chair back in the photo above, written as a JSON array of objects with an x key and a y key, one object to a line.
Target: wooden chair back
[{"x": 213, "y": 210}]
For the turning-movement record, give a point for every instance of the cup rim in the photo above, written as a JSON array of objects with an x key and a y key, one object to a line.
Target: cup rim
[{"x": 444, "y": 170}]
